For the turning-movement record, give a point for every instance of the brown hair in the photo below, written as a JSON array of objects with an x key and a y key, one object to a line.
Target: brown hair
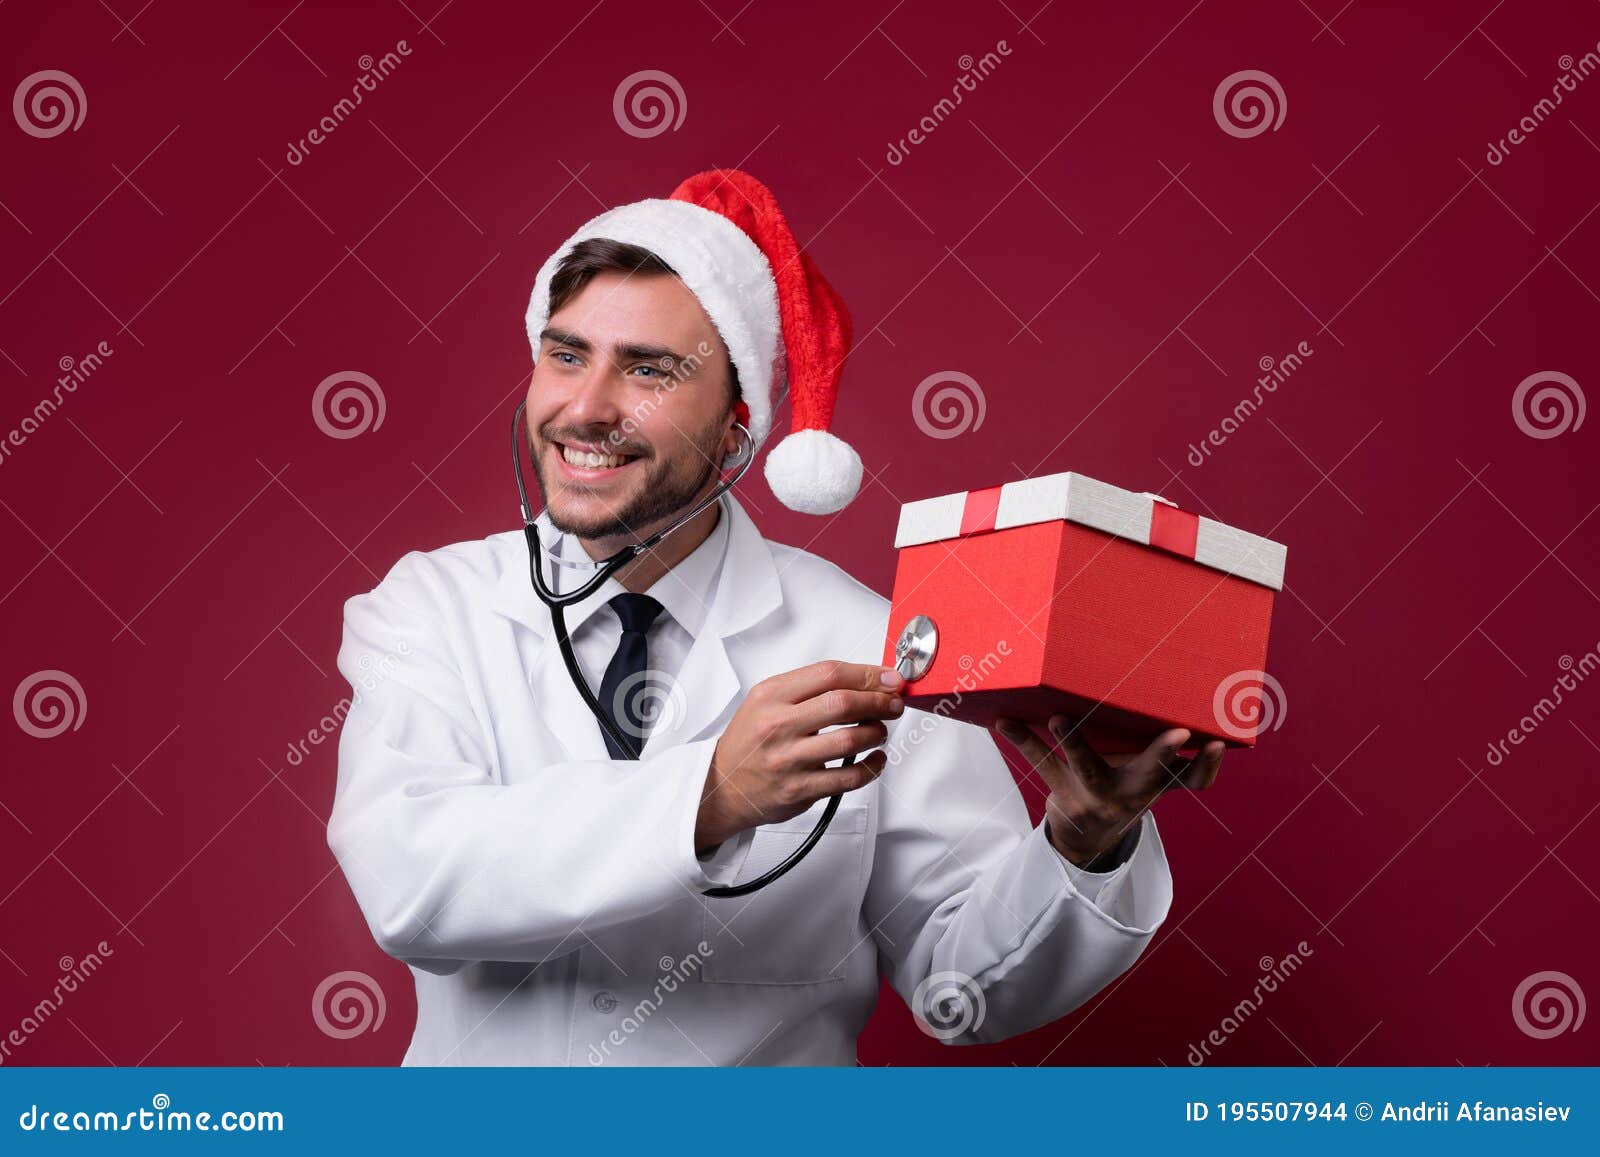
[{"x": 588, "y": 259}]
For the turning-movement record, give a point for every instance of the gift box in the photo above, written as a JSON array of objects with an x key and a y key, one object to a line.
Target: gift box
[{"x": 1065, "y": 594}]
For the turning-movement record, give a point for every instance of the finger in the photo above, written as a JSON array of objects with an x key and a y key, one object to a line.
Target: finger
[
  {"x": 1202, "y": 770},
  {"x": 1083, "y": 759},
  {"x": 1035, "y": 750},
  {"x": 841, "y": 706},
  {"x": 842, "y": 779},
  {"x": 811, "y": 752},
  {"x": 1154, "y": 766},
  {"x": 812, "y": 680}
]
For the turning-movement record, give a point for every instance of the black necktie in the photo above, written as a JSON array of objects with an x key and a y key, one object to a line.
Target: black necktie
[{"x": 624, "y": 691}]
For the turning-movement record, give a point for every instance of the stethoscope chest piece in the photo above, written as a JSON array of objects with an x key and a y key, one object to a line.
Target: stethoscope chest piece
[{"x": 915, "y": 648}]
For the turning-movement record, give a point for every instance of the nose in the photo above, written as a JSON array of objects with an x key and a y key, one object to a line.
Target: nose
[{"x": 595, "y": 398}]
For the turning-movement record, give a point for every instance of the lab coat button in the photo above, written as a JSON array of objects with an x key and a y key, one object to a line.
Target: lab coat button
[{"x": 604, "y": 1001}]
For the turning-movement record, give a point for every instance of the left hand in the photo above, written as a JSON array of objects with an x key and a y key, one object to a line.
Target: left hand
[{"x": 1095, "y": 799}]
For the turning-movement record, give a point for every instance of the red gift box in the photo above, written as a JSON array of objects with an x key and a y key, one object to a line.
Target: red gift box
[{"x": 1065, "y": 594}]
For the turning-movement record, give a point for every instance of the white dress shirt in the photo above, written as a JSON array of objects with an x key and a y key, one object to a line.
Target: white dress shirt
[{"x": 685, "y": 592}]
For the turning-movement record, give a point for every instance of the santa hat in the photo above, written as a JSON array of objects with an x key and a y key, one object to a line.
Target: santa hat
[{"x": 786, "y": 329}]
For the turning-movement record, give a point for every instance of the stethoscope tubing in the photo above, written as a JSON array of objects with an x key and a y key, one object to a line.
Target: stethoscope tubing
[{"x": 557, "y": 603}]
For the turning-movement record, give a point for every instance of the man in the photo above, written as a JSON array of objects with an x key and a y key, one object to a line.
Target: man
[{"x": 547, "y": 890}]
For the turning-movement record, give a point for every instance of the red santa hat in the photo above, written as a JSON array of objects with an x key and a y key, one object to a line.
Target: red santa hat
[{"x": 786, "y": 329}]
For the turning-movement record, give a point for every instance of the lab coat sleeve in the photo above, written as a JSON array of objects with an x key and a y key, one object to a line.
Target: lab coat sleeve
[
  {"x": 967, "y": 896},
  {"x": 448, "y": 861},
  {"x": 1092, "y": 885}
]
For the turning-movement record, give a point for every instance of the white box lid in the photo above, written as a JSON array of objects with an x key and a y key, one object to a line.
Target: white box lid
[{"x": 1087, "y": 501}]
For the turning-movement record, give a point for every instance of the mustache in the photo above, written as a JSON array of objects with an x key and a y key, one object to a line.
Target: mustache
[{"x": 612, "y": 437}]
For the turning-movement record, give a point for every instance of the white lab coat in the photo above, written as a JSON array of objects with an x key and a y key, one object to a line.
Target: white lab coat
[{"x": 548, "y": 899}]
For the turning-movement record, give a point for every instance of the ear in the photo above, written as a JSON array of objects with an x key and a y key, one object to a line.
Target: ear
[{"x": 731, "y": 441}]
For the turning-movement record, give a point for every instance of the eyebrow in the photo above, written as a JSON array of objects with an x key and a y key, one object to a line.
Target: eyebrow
[{"x": 624, "y": 351}]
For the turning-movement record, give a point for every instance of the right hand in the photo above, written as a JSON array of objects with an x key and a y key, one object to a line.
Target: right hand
[{"x": 768, "y": 765}]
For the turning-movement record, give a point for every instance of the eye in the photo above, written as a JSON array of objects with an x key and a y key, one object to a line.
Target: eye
[
  {"x": 560, "y": 355},
  {"x": 651, "y": 370}
]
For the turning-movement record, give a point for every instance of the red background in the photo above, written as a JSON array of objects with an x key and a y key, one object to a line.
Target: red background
[{"x": 1080, "y": 236}]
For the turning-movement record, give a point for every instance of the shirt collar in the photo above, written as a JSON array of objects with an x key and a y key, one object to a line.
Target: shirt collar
[
  {"x": 685, "y": 591},
  {"x": 748, "y": 587}
]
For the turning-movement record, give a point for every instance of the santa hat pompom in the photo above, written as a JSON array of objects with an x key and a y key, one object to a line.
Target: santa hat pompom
[{"x": 813, "y": 472}]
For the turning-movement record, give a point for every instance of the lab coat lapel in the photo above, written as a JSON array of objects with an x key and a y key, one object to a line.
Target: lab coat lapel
[
  {"x": 555, "y": 702},
  {"x": 697, "y": 696},
  {"x": 747, "y": 592},
  {"x": 558, "y": 705}
]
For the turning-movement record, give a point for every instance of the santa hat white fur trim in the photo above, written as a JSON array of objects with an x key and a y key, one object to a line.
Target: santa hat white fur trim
[{"x": 723, "y": 268}]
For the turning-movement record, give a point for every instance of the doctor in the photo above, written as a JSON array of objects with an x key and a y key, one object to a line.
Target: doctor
[{"x": 546, "y": 891}]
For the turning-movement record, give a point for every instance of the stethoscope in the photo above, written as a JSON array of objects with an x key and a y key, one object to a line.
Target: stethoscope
[{"x": 557, "y": 603}]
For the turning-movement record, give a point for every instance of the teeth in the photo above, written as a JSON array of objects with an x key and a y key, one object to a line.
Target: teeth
[{"x": 591, "y": 460}]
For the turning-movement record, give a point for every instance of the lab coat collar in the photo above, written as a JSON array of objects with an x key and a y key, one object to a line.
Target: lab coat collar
[{"x": 747, "y": 591}]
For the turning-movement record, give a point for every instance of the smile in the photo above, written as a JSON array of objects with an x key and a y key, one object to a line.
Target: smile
[{"x": 590, "y": 462}]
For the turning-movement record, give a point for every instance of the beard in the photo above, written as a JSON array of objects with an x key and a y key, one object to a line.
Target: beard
[{"x": 663, "y": 488}]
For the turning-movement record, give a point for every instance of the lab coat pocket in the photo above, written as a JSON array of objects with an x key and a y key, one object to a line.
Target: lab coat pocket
[{"x": 801, "y": 928}]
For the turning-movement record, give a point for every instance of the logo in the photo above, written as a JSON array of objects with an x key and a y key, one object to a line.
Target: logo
[
  {"x": 648, "y": 701},
  {"x": 49, "y": 103},
  {"x": 948, "y": 404},
  {"x": 348, "y": 1004},
  {"x": 948, "y": 1004},
  {"x": 648, "y": 103},
  {"x": 347, "y": 404},
  {"x": 1547, "y": 405},
  {"x": 1249, "y": 103},
  {"x": 1247, "y": 703},
  {"x": 48, "y": 703},
  {"x": 1548, "y": 1004}
]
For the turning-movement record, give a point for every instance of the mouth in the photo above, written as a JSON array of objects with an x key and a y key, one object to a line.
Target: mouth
[{"x": 591, "y": 463}]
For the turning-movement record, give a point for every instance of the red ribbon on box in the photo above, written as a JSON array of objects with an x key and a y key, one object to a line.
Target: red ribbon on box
[
  {"x": 977, "y": 513},
  {"x": 1172, "y": 529}
]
